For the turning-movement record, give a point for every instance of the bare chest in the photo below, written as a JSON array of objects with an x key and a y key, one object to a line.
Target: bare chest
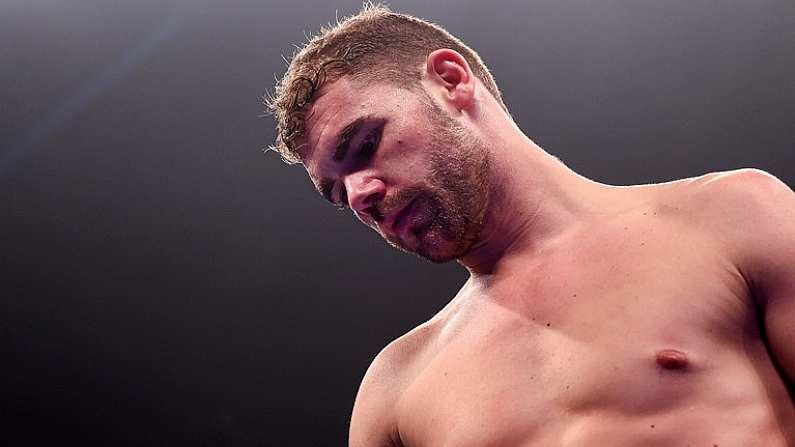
[{"x": 628, "y": 328}]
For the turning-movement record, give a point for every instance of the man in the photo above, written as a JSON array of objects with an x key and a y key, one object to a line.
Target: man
[{"x": 595, "y": 315}]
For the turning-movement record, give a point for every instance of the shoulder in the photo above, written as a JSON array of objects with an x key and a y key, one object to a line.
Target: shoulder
[
  {"x": 737, "y": 199},
  {"x": 728, "y": 200},
  {"x": 374, "y": 421},
  {"x": 744, "y": 184},
  {"x": 749, "y": 211}
]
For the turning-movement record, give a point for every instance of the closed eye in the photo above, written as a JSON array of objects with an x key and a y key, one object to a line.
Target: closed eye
[
  {"x": 370, "y": 144},
  {"x": 366, "y": 149}
]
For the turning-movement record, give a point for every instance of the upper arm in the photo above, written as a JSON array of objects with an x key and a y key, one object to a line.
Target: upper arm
[
  {"x": 760, "y": 229},
  {"x": 373, "y": 420}
]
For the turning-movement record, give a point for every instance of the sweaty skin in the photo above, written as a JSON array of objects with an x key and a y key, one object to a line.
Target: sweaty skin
[
  {"x": 594, "y": 315},
  {"x": 635, "y": 330}
]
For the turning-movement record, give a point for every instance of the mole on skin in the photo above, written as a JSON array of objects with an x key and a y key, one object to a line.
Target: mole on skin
[{"x": 671, "y": 359}]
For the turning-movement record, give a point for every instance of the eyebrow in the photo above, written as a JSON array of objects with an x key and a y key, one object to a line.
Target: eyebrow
[{"x": 343, "y": 139}]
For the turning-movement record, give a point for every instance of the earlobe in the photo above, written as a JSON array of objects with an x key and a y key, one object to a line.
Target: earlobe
[{"x": 450, "y": 71}]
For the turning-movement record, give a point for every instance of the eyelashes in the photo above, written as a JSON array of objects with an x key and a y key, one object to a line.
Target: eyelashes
[
  {"x": 366, "y": 150},
  {"x": 370, "y": 144}
]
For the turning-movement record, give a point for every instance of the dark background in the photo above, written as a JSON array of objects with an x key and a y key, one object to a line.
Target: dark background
[{"x": 165, "y": 282}]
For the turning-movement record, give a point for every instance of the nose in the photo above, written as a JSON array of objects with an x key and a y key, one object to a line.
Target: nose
[{"x": 364, "y": 192}]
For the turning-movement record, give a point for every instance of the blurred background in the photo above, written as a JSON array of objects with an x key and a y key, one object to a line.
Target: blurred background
[{"x": 163, "y": 281}]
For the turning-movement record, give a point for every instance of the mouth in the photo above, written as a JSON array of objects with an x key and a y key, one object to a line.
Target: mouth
[{"x": 400, "y": 219}]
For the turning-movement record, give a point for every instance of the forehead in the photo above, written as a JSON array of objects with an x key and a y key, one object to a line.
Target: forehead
[
  {"x": 333, "y": 105},
  {"x": 336, "y": 105}
]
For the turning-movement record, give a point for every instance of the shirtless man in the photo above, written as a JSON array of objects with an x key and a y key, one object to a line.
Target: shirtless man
[{"x": 595, "y": 315}]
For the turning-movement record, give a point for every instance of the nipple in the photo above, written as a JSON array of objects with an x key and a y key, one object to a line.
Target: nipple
[{"x": 671, "y": 359}]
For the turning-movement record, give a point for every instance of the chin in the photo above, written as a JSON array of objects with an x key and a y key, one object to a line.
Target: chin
[
  {"x": 429, "y": 254},
  {"x": 436, "y": 258},
  {"x": 433, "y": 247}
]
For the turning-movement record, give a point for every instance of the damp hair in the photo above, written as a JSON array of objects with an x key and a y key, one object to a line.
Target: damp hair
[{"x": 374, "y": 45}]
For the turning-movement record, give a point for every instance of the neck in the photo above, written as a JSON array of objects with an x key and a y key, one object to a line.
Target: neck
[{"x": 534, "y": 200}]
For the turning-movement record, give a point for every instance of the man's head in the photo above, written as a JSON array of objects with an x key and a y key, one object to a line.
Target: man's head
[
  {"x": 375, "y": 45},
  {"x": 368, "y": 107}
]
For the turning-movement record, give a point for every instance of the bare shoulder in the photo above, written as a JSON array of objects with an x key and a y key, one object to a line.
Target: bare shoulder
[
  {"x": 743, "y": 184},
  {"x": 731, "y": 200},
  {"x": 374, "y": 422},
  {"x": 715, "y": 199},
  {"x": 744, "y": 210}
]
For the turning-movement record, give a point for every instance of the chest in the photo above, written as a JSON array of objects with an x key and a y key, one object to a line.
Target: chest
[{"x": 589, "y": 330}]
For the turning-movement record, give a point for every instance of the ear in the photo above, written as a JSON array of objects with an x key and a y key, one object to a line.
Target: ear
[{"x": 449, "y": 71}]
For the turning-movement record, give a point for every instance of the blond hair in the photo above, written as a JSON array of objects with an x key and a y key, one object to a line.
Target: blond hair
[{"x": 374, "y": 45}]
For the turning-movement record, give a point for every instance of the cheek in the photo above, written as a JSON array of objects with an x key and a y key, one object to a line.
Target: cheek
[{"x": 405, "y": 159}]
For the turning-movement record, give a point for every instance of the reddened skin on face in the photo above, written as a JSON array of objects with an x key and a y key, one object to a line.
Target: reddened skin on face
[{"x": 401, "y": 160}]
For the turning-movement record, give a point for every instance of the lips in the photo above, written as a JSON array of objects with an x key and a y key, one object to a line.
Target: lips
[{"x": 398, "y": 221}]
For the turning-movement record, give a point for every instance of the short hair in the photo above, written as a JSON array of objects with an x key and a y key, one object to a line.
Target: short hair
[{"x": 373, "y": 45}]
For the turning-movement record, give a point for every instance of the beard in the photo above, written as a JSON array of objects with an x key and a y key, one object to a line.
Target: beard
[{"x": 449, "y": 207}]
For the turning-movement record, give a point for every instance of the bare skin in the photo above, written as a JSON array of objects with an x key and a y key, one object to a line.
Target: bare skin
[
  {"x": 631, "y": 331},
  {"x": 594, "y": 315}
]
